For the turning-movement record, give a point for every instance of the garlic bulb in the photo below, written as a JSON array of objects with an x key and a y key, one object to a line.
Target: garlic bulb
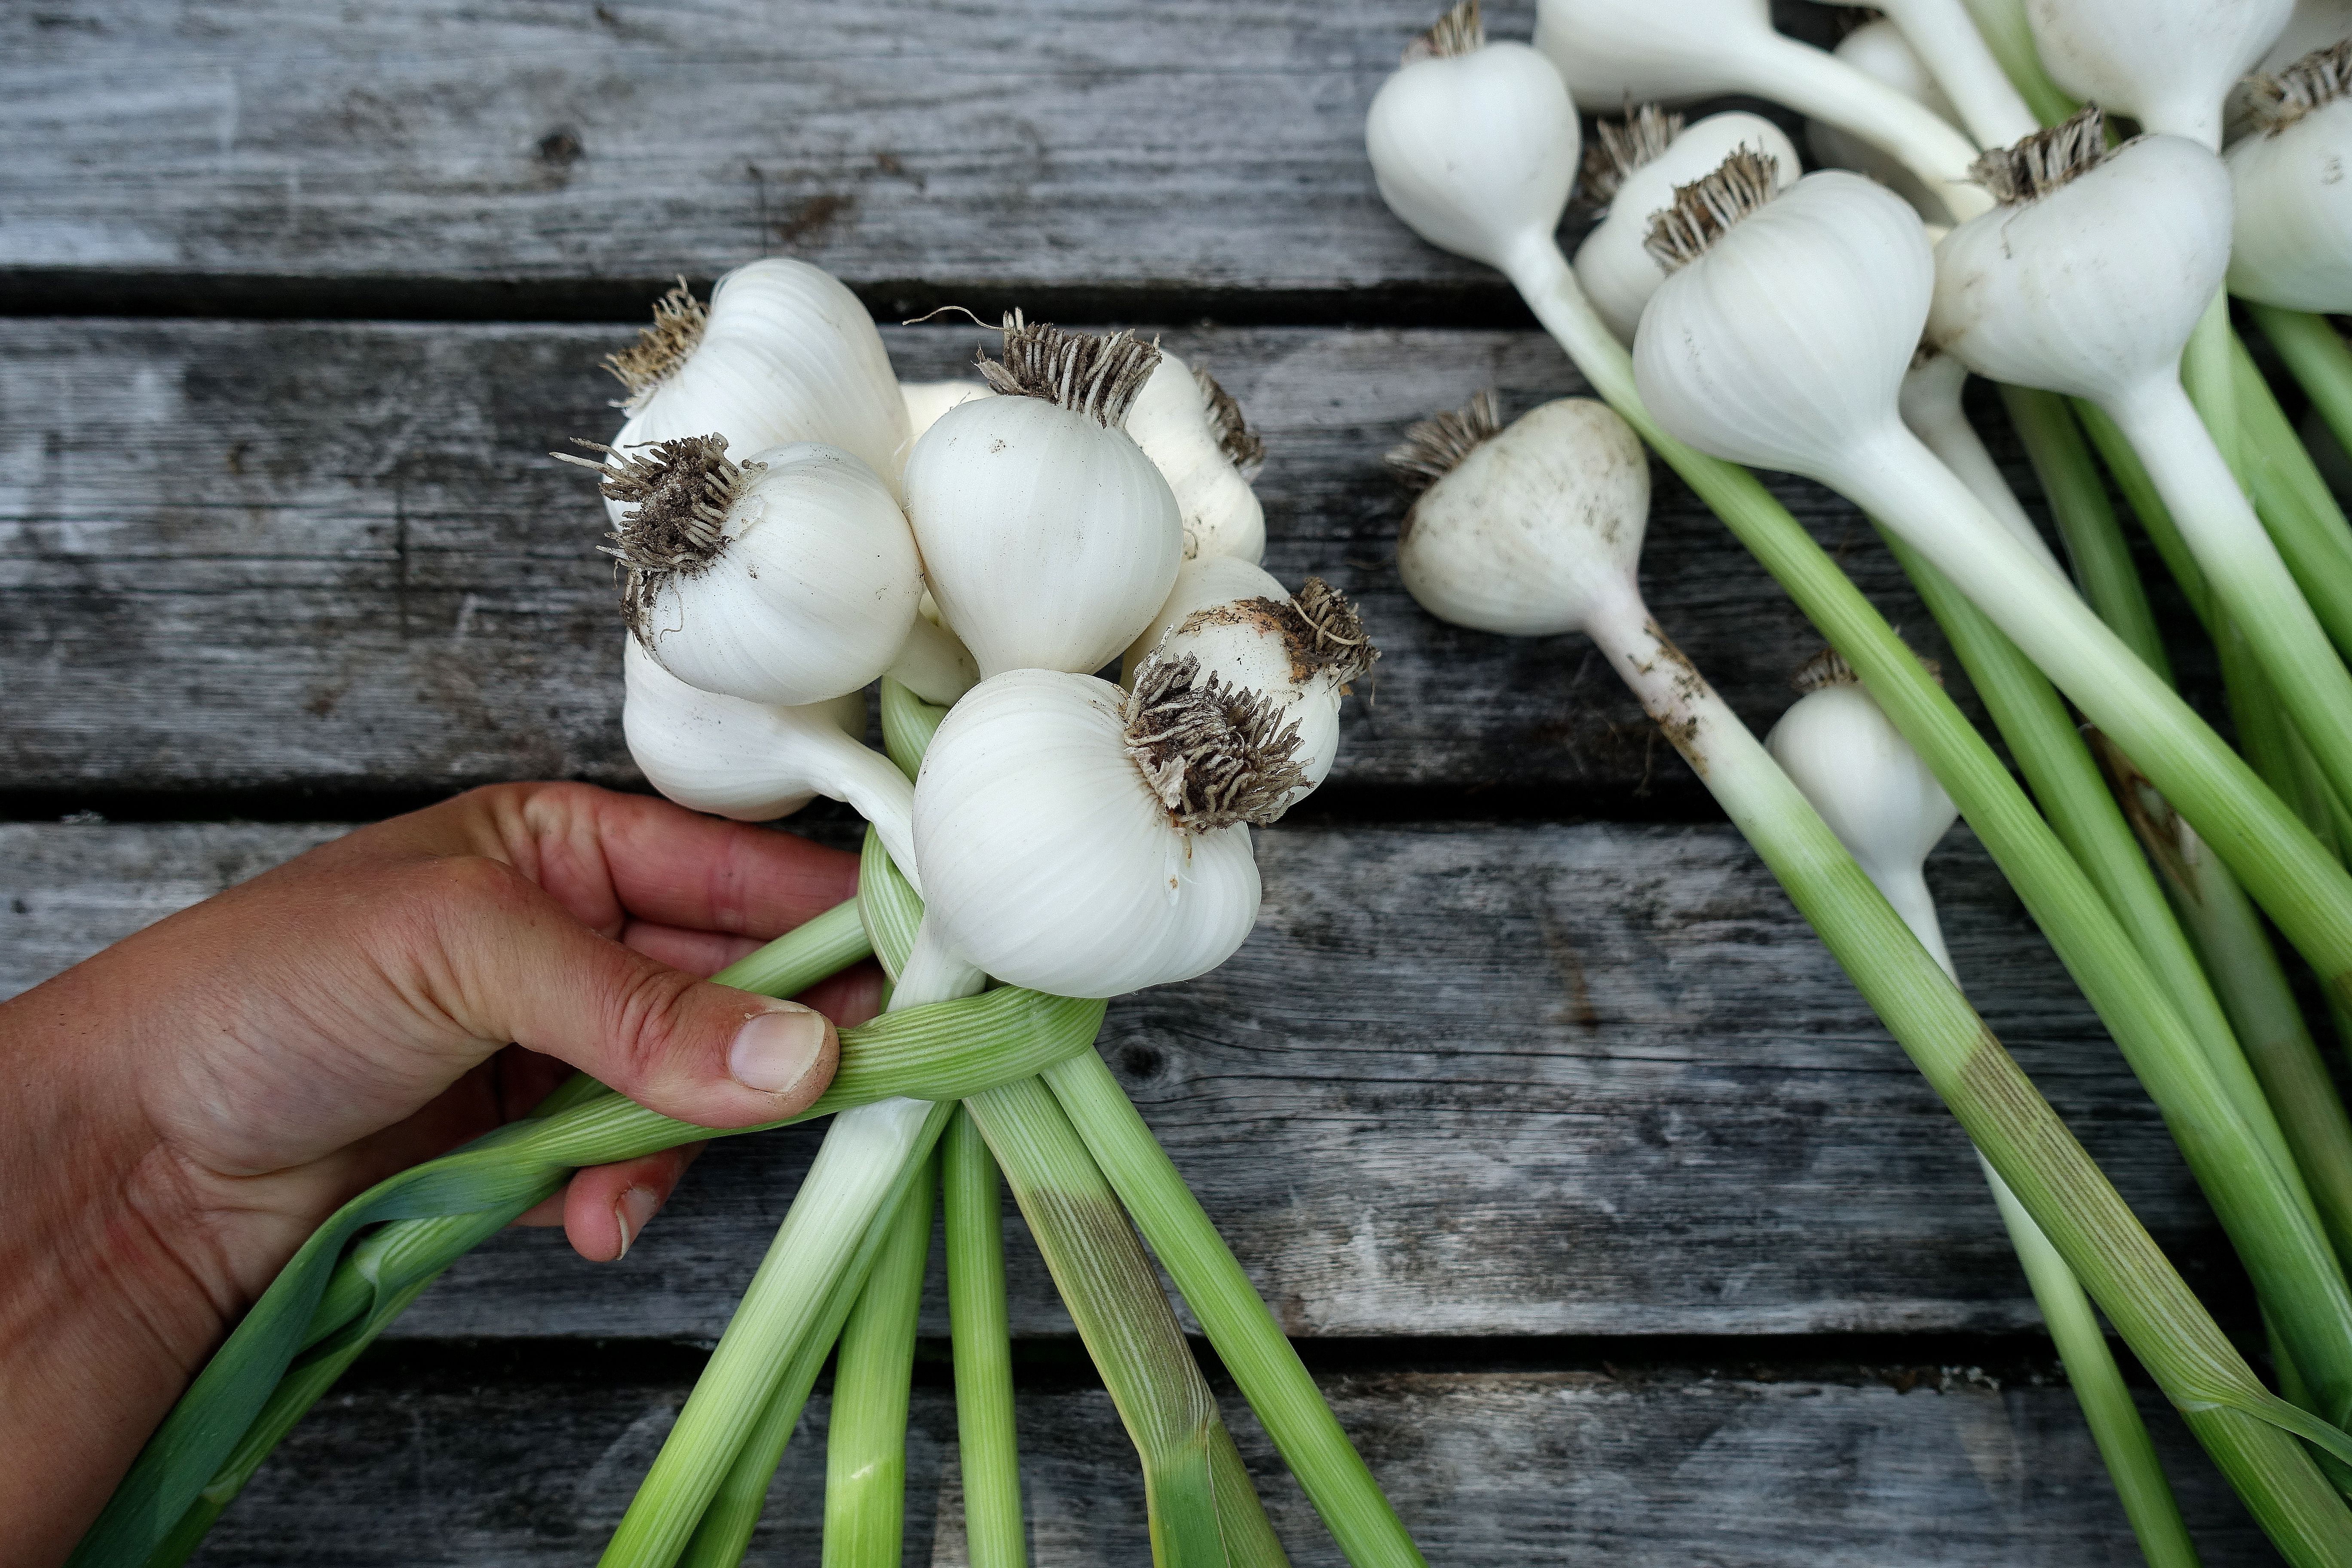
[
  {"x": 1879, "y": 50},
  {"x": 1930, "y": 405},
  {"x": 2291, "y": 243},
  {"x": 1193, "y": 430},
  {"x": 1302, "y": 653},
  {"x": 756, "y": 763},
  {"x": 926, "y": 400},
  {"x": 1634, "y": 166},
  {"x": 1049, "y": 539},
  {"x": 1532, "y": 526},
  {"x": 789, "y": 578},
  {"x": 1086, "y": 841},
  {"x": 2165, "y": 63},
  {"x": 1839, "y": 747},
  {"x": 783, "y": 353}
]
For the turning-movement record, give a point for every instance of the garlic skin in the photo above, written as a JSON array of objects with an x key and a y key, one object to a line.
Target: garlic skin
[
  {"x": 1477, "y": 153},
  {"x": 1733, "y": 350},
  {"x": 787, "y": 355},
  {"x": 1533, "y": 527},
  {"x": 2291, "y": 239},
  {"x": 2167, "y": 63},
  {"x": 1049, "y": 540},
  {"x": 755, "y": 762},
  {"x": 1879, "y": 50},
  {"x": 811, "y": 592},
  {"x": 1617, "y": 271},
  {"x": 1048, "y": 860},
  {"x": 2092, "y": 289},
  {"x": 926, "y": 400},
  {"x": 1840, "y": 749},
  {"x": 1171, "y": 422}
]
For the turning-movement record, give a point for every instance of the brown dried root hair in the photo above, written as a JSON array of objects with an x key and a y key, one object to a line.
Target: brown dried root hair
[
  {"x": 677, "y": 332},
  {"x": 1461, "y": 31},
  {"x": 677, "y": 493},
  {"x": 2278, "y": 98},
  {"x": 1243, "y": 448},
  {"x": 1098, "y": 375},
  {"x": 1621, "y": 146},
  {"x": 2029, "y": 170},
  {"x": 1704, "y": 210},
  {"x": 1433, "y": 447},
  {"x": 1319, "y": 627},
  {"x": 1213, "y": 756},
  {"x": 1828, "y": 668}
]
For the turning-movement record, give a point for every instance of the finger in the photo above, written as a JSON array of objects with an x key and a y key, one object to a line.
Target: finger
[
  {"x": 607, "y": 1208},
  {"x": 704, "y": 952},
  {"x": 499, "y": 958}
]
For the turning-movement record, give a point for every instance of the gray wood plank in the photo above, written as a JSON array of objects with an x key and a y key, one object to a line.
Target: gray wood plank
[
  {"x": 1515, "y": 1080},
  {"x": 1673, "y": 1468},
  {"x": 244, "y": 556}
]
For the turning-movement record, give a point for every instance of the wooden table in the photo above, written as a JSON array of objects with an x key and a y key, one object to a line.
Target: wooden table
[{"x": 1617, "y": 1229}]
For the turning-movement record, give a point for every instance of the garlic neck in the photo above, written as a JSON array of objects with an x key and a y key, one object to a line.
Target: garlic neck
[{"x": 933, "y": 972}]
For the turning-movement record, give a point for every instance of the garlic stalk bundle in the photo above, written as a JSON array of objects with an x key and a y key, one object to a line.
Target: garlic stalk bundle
[
  {"x": 926, "y": 400},
  {"x": 1301, "y": 652},
  {"x": 1930, "y": 405},
  {"x": 1086, "y": 841},
  {"x": 2291, "y": 243},
  {"x": 2087, "y": 279},
  {"x": 788, "y": 578},
  {"x": 1879, "y": 50},
  {"x": 1634, "y": 166},
  {"x": 1615, "y": 50},
  {"x": 755, "y": 762},
  {"x": 1944, "y": 45},
  {"x": 1193, "y": 430},
  {"x": 2167, "y": 64},
  {"x": 1049, "y": 538},
  {"x": 783, "y": 353}
]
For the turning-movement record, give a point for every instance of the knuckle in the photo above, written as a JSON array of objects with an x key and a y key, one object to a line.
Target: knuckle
[{"x": 645, "y": 1017}]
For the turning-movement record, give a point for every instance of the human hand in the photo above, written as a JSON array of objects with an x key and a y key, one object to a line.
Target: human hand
[{"x": 191, "y": 1103}]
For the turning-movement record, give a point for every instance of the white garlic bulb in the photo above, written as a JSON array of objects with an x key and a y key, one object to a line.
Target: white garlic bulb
[
  {"x": 783, "y": 353},
  {"x": 1879, "y": 50},
  {"x": 1193, "y": 430},
  {"x": 2291, "y": 244},
  {"x": 1302, "y": 652},
  {"x": 1048, "y": 538},
  {"x": 1523, "y": 530},
  {"x": 755, "y": 762},
  {"x": 1636, "y": 166},
  {"x": 2167, "y": 63},
  {"x": 789, "y": 578},
  {"x": 1087, "y": 842},
  {"x": 926, "y": 400}
]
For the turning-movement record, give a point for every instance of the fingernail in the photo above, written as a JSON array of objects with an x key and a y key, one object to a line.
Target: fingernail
[
  {"x": 633, "y": 1213},
  {"x": 774, "y": 1050}
]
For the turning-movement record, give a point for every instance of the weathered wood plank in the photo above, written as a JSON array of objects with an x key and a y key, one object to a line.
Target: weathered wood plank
[
  {"x": 1205, "y": 148},
  {"x": 1672, "y": 1467},
  {"x": 239, "y": 555},
  {"x": 1461, "y": 1080}
]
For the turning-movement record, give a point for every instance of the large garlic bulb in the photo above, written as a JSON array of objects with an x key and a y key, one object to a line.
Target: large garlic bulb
[
  {"x": 1193, "y": 430},
  {"x": 2291, "y": 244},
  {"x": 1522, "y": 531},
  {"x": 789, "y": 578},
  {"x": 1086, "y": 841},
  {"x": 1049, "y": 539},
  {"x": 755, "y": 762},
  {"x": 1879, "y": 50},
  {"x": 2167, "y": 63},
  {"x": 783, "y": 354},
  {"x": 1636, "y": 166}
]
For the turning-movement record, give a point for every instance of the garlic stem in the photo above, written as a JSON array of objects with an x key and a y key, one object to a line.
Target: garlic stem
[
  {"x": 1948, "y": 42},
  {"x": 933, "y": 665},
  {"x": 866, "y": 1428},
  {"x": 1931, "y": 407},
  {"x": 987, "y": 1441}
]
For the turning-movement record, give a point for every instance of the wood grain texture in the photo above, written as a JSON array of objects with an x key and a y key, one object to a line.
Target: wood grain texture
[
  {"x": 242, "y": 555},
  {"x": 1676, "y": 1469},
  {"x": 1516, "y": 1080}
]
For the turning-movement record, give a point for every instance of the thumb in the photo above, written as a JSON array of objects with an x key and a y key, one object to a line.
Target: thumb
[{"x": 514, "y": 965}]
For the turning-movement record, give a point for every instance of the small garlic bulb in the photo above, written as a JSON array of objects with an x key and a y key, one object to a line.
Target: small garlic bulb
[
  {"x": 755, "y": 762},
  {"x": 1879, "y": 50},
  {"x": 1048, "y": 538},
  {"x": 2165, "y": 63},
  {"x": 783, "y": 353},
  {"x": 1635, "y": 166},
  {"x": 1522, "y": 531},
  {"x": 789, "y": 578},
  {"x": 2291, "y": 244},
  {"x": 1193, "y": 430},
  {"x": 1302, "y": 652},
  {"x": 1086, "y": 841},
  {"x": 926, "y": 400}
]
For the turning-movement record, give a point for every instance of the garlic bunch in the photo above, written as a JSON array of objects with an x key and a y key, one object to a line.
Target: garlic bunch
[
  {"x": 788, "y": 578},
  {"x": 755, "y": 762},
  {"x": 1634, "y": 166},
  {"x": 2167, "y": 63},
  {"x": 1193, "y": 429},
  {"x": 1879, "y": 50},
  {"x": 1301, "y": 652},
  {"x": 2291, "y": 243},
  {"x": 1049, "y": 538},
  {"x": 1086, "y": 841},
  {"x": 783, "y": 353}
]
